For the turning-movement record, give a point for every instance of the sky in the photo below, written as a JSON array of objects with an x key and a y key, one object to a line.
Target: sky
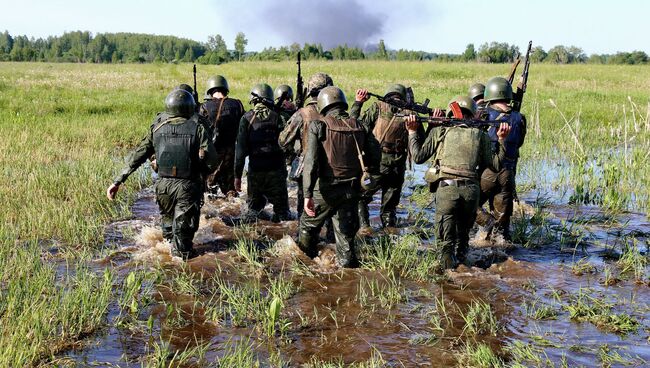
[{"x": 433, "y": 26}]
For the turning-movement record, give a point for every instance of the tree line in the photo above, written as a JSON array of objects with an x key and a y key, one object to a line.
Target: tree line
[{"x": 84, "y": 47}]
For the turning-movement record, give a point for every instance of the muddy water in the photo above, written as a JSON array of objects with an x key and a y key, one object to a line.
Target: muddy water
[{"x": 329, "y": 321}]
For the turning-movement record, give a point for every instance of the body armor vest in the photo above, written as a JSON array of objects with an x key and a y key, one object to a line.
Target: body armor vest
[
  {"x": 340, "y": 145},
  {"x": 390, "y": 130},
  {"x": 514, "y": 140},
  {"x": 457, "y": 155},
  {"x": 308, "y": 114},
  {"x": 177, "y": 148},
  {"x": 224, "y": 116},
  {"x": 263, "y": 148}
]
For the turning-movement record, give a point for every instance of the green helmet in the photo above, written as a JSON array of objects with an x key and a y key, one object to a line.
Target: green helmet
[
  {"x": 185, "y": 87},
  {"x": 180, "y": 103},
  {"x": 329, "y": 97},
  {"x": 217, "y": 82},
  {"x": 279, "y": 90},
  {"x": 465, "y": 103},
  {"x": 396, "y": 88},
  {"x": 318, "y": 81},
  {"x": 476, "y": 91},
  {"x": 498, "y": 88},
  {"x": 264, "y": 91}
]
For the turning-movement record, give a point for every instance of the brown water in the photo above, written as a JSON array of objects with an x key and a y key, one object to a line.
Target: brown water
[{"x": 328, "y": 320}]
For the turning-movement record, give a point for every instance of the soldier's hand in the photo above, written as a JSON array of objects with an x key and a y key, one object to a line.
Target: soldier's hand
[
  {"x": 362, "y": 95},
  {"x": 504, "y": 130},
  {"x": 438, "y": 113},
  {"x": 411, "y": 122},
  {"x": 112, "y": 191},
  {"x": 238, "y": 185},
  {"x": 310, "y": 209}
]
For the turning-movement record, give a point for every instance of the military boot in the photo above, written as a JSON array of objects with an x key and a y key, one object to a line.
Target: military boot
[
  {"x": 364, "y": 216},
  {"x": 307, "y": 244},
  {"x": 448, "y": 259},
  {"x": 388, "y": 219}
]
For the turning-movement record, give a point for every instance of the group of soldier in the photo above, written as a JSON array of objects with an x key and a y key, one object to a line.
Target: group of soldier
[{"x": 339, "y": 160}]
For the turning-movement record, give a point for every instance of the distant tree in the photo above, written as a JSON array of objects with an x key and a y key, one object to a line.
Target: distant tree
[
  {"x": 537, "y": 54},
  {"x": 381, "y": 52},
  {"x": 470, "y": 53},
  {"x": 240, "y": 44},
  {"x": 496, "y": 52},
  {"x": 558, "y": 55}
]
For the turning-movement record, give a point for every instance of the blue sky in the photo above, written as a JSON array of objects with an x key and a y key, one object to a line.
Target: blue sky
[{"x": 435, "y": 25}]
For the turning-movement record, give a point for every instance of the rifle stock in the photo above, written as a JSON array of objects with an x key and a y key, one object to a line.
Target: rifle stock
[
  {"x": 513, "y": 70},
  {"x": 518, "y": 97}
]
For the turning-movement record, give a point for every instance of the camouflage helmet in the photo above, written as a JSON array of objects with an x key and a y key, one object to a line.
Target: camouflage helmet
[
  {"x": 329, "y": 97},
  {"x": 396, "y": 89},
  {"x": 180, "y": 103},
  {"x": 217, "y": 81},
  {"x": 319, "y": 81},
  {"x": 279, "y": 90},
  {"x": 264, "y": 91},
  {"x": 185, "y": 87},
  {"x": 476, "y": 91},
  {"x": 465, "y": 103},
  {"x": 498, "y": 88}
]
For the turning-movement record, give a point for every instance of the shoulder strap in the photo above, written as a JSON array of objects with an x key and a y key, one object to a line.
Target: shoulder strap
[{"x": 216, "y": 120}]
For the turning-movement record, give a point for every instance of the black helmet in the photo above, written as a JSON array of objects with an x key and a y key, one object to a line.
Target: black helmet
[
  {"x": 180, "y": 103},
  {"x": 264, "y": 91},
  {"x": 185, "y": 87},
  {"x": 283, "y": 88},
  {"x": 217, "y": 82}
]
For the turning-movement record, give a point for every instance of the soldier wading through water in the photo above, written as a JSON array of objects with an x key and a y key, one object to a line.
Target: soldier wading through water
[{"x": 184, "y": 154}]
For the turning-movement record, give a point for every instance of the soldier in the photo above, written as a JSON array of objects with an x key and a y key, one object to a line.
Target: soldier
[
  {"x": 258, "y": 139},
  {"x": 223, "y": 114},
  {"x": 391, "y": 135},
  {"x": 333, "y": 173},
  {"x": 293, "y": 137},
  {"x": 476, "y": 92},
  {"x": 184, "y": 153},
  {"x": 287, "y": 108},
  {"x": 460, "y": 153},
  {"x": 498, "y": 186}
]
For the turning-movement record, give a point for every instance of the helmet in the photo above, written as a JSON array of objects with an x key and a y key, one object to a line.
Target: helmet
[
  {"x": 329, "y": 97},
  {"x": 264, "y": 91},
  {"x": 319, "y": 81},
  {"x": 217, "y": 81},
  {"x": 396, "y": 88},
  {"x": 180, "y": 103},
  {"x": 498, "y": 88},
  {"x": 279, "y": 90},
  {"x": 185, "y": 87},
  {"x": 465, "y": 103},
  {"x": 476, "y": 90}
]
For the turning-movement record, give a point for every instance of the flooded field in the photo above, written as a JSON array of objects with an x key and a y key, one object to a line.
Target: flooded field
[{"x": 573, "y": 291}]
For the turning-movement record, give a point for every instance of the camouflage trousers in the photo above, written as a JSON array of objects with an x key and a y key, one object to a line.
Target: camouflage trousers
[
  {"x": 271, "y": 187},
  {"x": 454, "y": 218},
  {"x": 497, "y": 188},
  {"x": 179, "y": 201},
  {"x": 224, "y": 176},
  {"x": 338, "y": 202},
  {"x": 390, "y": 181}
]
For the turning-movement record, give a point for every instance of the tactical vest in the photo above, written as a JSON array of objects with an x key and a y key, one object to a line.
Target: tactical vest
[
  {"x": 340, "y": 145},
  {"x": 514, "y": 140},
  {"x": 263, "y": 149},
  {"x": 177, "y": 148},
  {"x": 457, "y": 154},
  {"x": 308, "y": 113},
  {"x": 224, "y": 116},
  {"x": 390, "y": 130}
]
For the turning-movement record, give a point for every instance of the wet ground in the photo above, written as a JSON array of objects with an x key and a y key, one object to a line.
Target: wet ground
[{"x": 558, "y": 296}]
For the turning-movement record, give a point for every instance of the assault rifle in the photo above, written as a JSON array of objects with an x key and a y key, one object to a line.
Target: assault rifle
[
  {"x": 450, "y": 122},
  {"x": 518, "y": 97},
  {"x": 409, "y": 104},
  {"x": 277, "y": 106},
  {"x": 195, "y": 94},
  {"x": 301, "y": 91},
  {"x": 513, "y": 70}
]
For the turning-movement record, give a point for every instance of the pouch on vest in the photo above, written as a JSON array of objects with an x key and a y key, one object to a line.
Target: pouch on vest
[
  {"x": 175, "y": 144},
  {"x": 458, "y": 155}
]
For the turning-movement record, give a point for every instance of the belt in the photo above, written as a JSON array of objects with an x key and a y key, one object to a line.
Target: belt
[{"x": 456, "y": 182}]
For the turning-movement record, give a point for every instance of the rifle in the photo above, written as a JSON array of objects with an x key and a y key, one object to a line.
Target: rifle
[
  {"x": 513, "y": 70},
  {"x": 518, "y": 97},
  {"x": 451, "y": 122},
  {"x": 265, "y": 101},
  {"x": 301, "y": 91},
  {"x": 409, "y": 104},
  {"x": 195, "y": 94}
]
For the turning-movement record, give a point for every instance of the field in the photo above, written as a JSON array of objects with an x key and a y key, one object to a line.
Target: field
[{"x": 84, "y": 280}]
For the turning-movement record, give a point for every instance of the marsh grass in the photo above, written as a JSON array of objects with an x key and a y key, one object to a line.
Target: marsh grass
[
  {"x": 402, "y": 256},
  {"x": 586, "y": 308},
  {"x": 480, "y": 319},
  {"x": 478, "y": 355}
]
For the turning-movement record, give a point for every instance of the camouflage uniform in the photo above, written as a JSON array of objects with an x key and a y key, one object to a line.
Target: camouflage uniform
[
  {"x": 267, "y": 174},
  {"x": 498, "y": 186},
  {"x": 223, "y": 116},
  {"x": 459, "y": 156},
  {"x": 332, "y": 178},
  {"x": 179, "y": 191}
]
